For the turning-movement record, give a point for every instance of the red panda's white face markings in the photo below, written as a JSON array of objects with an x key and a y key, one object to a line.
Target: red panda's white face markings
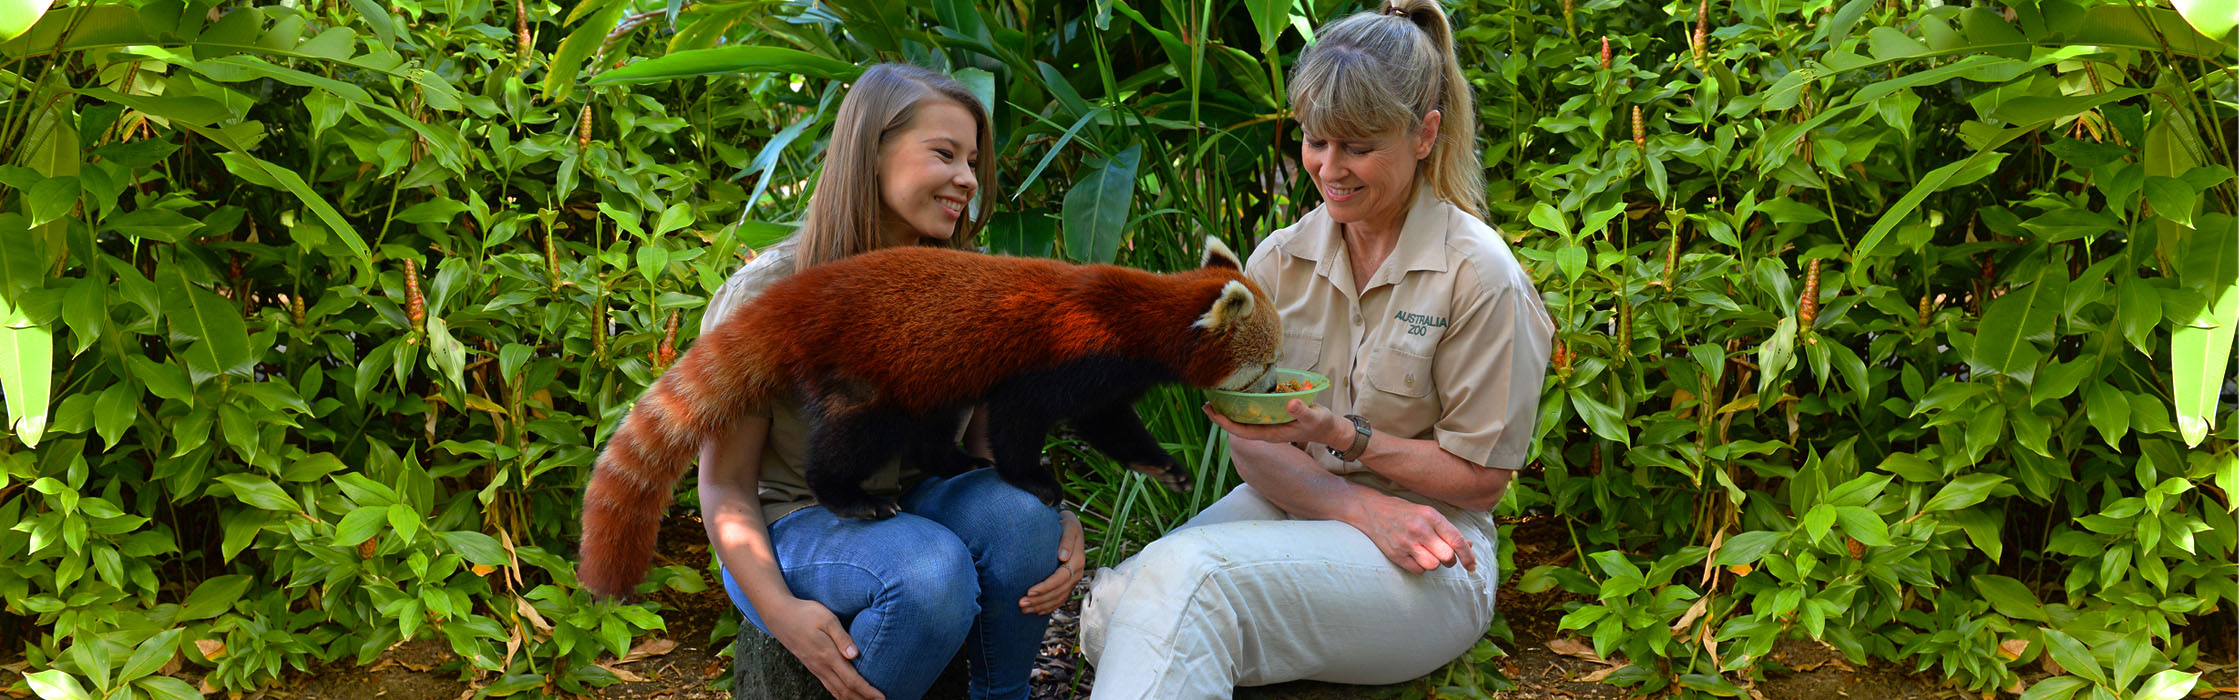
[{"x": 1243, "y": 328}]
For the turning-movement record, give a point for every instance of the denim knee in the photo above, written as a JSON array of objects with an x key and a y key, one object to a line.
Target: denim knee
[
  {"x": 936, "y": 584},
  {"x": 1016, "y": 533}
]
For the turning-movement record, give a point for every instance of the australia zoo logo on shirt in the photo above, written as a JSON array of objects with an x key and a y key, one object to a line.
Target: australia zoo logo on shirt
[{"x": 1419, "y": 324}]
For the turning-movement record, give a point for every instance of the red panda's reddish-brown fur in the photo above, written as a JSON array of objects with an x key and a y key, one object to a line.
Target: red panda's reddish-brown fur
[{"x": 925, "y": 329}]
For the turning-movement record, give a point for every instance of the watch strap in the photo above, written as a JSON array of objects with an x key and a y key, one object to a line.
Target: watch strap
[{"x": 1360, "y": 440}]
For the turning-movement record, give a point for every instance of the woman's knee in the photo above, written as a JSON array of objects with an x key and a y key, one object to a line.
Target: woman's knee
[{"x": 936, "y": 582}]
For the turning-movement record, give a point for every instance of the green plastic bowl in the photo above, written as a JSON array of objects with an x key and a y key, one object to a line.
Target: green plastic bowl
[{"x": 1267, "y": 409}]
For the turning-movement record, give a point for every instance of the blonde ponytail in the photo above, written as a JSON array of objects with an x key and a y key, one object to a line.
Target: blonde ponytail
[{"x": 1372, "y": 71}]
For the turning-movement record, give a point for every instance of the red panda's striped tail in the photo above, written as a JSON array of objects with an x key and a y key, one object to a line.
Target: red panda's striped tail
[{"x": 635, "y": 477}]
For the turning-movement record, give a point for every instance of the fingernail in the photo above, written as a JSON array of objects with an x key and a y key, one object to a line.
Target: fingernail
[{"x": 851, "y": 652}]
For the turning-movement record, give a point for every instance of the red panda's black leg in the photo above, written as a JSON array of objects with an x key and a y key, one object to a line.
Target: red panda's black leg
[
  {"x": 1115, "y": 430},
  {"x": 1015, "y": 435},
  {"x": 934, "y": 449},
  {"x": 844, "y": 450}
]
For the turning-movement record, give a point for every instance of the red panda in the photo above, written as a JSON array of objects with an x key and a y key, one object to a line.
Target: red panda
[{"x": 885, "y": 348}]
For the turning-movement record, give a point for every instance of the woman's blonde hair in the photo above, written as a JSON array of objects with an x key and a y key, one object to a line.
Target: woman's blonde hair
[
  {"x": 843, "y": 217},
  {"x": 1372, "y": 71}
]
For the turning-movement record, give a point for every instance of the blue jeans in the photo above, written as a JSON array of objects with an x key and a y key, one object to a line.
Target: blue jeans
[{"x": 948, "y": 571}]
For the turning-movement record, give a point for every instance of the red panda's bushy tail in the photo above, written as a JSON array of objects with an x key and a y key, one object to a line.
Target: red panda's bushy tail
[{"x": 714, "y": 383}]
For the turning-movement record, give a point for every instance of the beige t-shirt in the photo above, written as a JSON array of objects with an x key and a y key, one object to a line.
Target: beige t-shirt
[
  {"x": 784, "y": 488},
  {"x": 1448, "y": 341}
]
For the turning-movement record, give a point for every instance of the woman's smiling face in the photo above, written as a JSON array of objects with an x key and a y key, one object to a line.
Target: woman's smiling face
[
  {"x": 1369, "y": 179},
  {"x": 926, "y": 177}
]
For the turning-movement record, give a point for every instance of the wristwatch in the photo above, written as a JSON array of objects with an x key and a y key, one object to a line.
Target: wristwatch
[{"x": 1360, "y": 440}]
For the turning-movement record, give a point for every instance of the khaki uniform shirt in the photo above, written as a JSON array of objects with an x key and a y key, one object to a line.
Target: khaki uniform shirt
[
  {"x": 1448, "y": 341},
  {"x": 784, "y": 488}
]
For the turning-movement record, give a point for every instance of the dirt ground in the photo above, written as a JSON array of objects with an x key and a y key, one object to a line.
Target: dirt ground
[{"x": 688, "y": 663}]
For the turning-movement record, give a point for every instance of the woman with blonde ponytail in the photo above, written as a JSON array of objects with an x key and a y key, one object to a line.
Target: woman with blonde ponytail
[{"x": 1360, "y": 548}]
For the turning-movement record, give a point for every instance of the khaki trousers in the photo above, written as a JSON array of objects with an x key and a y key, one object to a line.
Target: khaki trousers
[{"x": 1244, "y": 594}]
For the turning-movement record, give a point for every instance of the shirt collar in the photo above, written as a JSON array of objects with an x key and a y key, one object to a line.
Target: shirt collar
[{"x": 1423, "y": 237}]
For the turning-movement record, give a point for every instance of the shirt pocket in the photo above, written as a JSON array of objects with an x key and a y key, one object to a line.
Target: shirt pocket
[
  {"x": 1300, "y": 352},
  {"x": 1396, "y": 371}
]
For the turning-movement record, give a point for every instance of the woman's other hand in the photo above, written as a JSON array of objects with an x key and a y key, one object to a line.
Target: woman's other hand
[
  {"x": 809, "y": 630},
  {"x": 1045, "y": 597},
  {"x": 1413, "y": 535},
  {"x": 1313, "y": 424}
]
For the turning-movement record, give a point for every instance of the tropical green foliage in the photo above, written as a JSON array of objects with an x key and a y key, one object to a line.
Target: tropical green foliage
[{"x": 322, "y": 309}]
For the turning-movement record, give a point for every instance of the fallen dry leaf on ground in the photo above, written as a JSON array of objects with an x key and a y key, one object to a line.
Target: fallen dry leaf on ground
[
  {"x": 1575, "y": 649},
  {"x": 651, "y": 648}
]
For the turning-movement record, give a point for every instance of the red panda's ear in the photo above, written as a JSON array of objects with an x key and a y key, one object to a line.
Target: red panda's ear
[
  {"x": 1218, "y": 254},
  {"x": 1229, "y": 309}
]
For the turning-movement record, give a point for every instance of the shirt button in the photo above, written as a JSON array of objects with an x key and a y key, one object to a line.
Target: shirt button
[{"x": 1411, "y": 381}]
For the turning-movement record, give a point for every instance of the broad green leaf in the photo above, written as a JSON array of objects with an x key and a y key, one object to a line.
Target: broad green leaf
[
  {"x": 151, "y": 654},
  {"x": 1888, "y": 43},
  {"x": 2213, "y": 18},
  {"x": 567, "y": 62},
  {"x": 2060, "y": 379},
  {"x": 53, "y": 684},
  {"x": 1863, "y": 525},
  {"x": 51, "y": 199},
  {"x": 2038, "y": 109},
  {"x": 2109, "y": 411},
  {"x": 2073, "y": 656},
  {"x": 2071, "y": 223},
  {"x": 1269, "y": 17},
  {"x": 1604, "y": 420},
  {"x": 1816, "y": 521},
  {"x": 17, "y": 16},
  {"x": 2132, "y": 654},
  {"x": 726, "y": 60},
  {"x": 89, "y": 26},
  {"x": 2140, "y": 310},
  {"x": 1983, "y": 527},
  {"x": 2199, "y": 355},
  {"x": 219, "y": 338},
  {"x": 1777, "y": 354},
  {"x": 478, "y": 548},
  {"x": 360, "y": 524},
  {"x": 152, "y": 223},
  {"x": 26, "y": 374},
  {"x": 168, "y": 688},
  {"x": 2055, "y": 688},
  {"x": 405, "y": 521},
  {"x": 1748, "y": 547},
  {"x": 677, "y": 216},
  {"x": 2170, "y": 684},
  {"x": 1858, "y": 491},
  {"x": 258, "y": 171},
  {"x": 1548, "y": 219},
  {"x": 2004, "y": 337},
  {"x": 213, "y": 597},
  {"x": 2172, "y": 198},
  {"x": 445, "y": 353},
  {"x": 115, "y": 410},
  {"x": 1963, "y": 492},
  {"x": 1572, "y": 260},
  {"x": 1983, "y": 162},
  {"x": 256, "y": 490},
  {"x": 1911, "y": 467},
  {"x": 2149, "y": 29},
  {"x": 1096, "y": 209},
  {"x": 1785, "y": 92}
]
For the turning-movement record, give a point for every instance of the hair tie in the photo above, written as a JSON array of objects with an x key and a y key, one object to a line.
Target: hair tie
[{"x": 1397, "y": 11}]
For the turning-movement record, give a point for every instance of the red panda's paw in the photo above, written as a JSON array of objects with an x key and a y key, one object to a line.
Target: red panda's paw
[
  {"x": 870, "y": 508},
  {"x": 1170, "y": 475}
]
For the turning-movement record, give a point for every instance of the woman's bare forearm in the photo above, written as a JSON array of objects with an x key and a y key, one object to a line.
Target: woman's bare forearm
[{"x": 730, "y": 466}]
